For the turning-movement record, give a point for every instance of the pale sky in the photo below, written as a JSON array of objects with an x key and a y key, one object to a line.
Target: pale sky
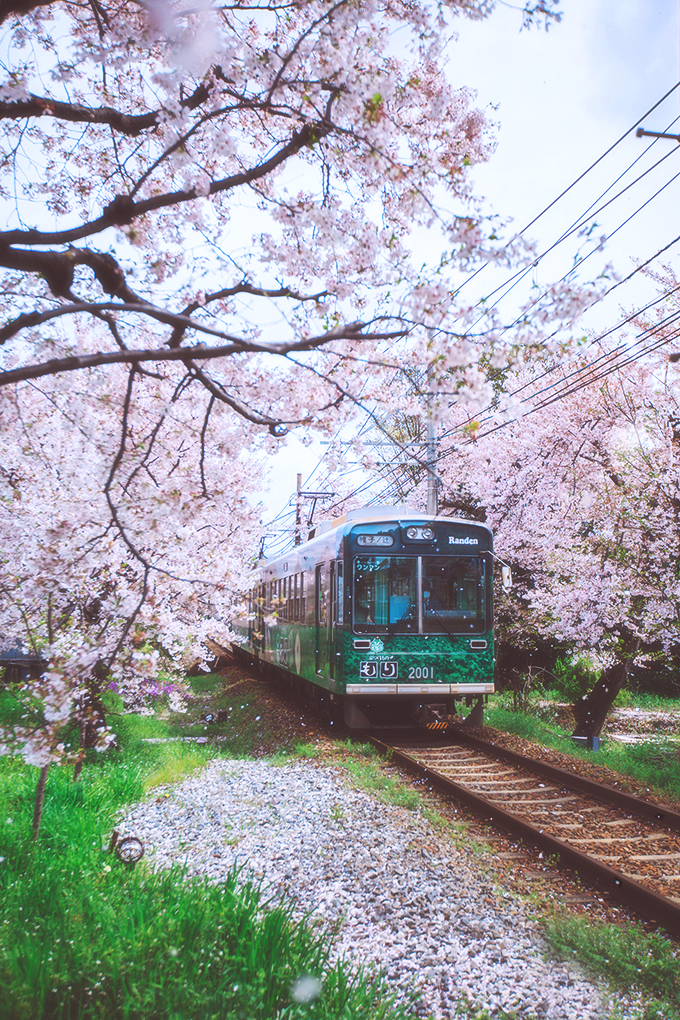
[
  {"x": 564, "y": 96},
  {"x": 561, "y": 99}
]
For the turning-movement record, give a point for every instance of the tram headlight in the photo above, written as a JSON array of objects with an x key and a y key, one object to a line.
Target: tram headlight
[{"x": 420, "y": 534}]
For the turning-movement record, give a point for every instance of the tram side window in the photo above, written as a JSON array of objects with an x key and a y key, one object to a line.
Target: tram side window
[
  {"x": 341, "y": 592},
  {"x": 302, "y": 615},
  {"x": 310, "y": 601},
  {"x": 321, "y": 595}
]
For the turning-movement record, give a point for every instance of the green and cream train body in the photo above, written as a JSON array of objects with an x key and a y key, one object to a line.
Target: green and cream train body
[{"x": 384, "y": 616}]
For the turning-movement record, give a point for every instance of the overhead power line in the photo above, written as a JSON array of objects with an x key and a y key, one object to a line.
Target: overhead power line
[
  {"x": 582, "y": 176},
  {"x": 593, "y": 209},
  {"x": 601, "y": 336}
]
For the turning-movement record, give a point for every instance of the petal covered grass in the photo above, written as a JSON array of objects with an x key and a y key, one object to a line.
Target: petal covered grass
[{"x": 654, "y": 764}]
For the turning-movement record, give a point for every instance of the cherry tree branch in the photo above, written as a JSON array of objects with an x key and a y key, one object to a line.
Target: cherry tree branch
[
  {"x": 39, "y": 106},
  {"x": 123, "y": 210},
  {"x": 77, "y": 113},
  {"x": 204, "y": 431},
  {"x": 74, "y": 363},
  {"x": 241, "y": 288},
  {"x": 218, "y": 392},
  {"x": 14, "y": 8}
]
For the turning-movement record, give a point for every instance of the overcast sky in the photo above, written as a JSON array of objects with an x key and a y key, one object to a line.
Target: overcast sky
[
  {"x": 565, "y": 95},
  {"x": 560, "y": 99}
]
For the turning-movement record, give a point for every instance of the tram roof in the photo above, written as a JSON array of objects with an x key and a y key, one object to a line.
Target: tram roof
[{"x": 383, "y": 512}]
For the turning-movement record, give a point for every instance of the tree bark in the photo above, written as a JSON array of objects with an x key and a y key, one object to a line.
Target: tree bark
[
  {"x": 590, "y": 711},
  {"x": 39, "y": 798}
]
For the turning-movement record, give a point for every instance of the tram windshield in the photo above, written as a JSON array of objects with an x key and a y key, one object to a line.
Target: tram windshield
[{"x": 419, "y": 594}]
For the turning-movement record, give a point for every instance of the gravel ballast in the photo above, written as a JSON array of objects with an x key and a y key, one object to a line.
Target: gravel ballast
[{"x": 411, "y": 903}]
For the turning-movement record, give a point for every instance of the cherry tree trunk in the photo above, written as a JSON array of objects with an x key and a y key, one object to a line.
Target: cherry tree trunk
[{"x": 590, "y": 711}]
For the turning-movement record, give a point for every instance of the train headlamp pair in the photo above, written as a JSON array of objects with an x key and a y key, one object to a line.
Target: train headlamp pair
[{"x": 421, "y": 534}]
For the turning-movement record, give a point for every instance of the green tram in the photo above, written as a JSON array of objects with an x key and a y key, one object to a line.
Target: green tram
[{"x": 383, "y": 615}]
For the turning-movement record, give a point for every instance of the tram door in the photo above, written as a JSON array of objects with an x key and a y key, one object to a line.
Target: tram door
[
  {"x": 323, "y": 582},
  {"x": 332, "y": 619}
]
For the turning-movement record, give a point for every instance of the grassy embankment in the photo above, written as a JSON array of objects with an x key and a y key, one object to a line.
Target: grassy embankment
[
  {"x": 653, "y": 764},
  {"x": 84, "y": 936},
  {"x": 626, "y": 956}
]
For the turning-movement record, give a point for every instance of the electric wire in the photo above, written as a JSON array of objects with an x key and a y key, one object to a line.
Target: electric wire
[
  {"x": 580, "y": 221},
  {"x": 571, "y": 230},
  {"x": 604, "y": 371},
  {"x": 596, "y": 370},
  {"x": 575, "y": 226},
  {"x": 601, "y": 336},
  {"x": 600, "y": 158},
  {"x": 573, "y": 184},
  {"x": 529, "y": 269}
]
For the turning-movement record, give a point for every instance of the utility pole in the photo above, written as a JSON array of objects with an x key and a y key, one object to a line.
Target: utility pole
[
  {"x": 641, "y": 133},
  {"x": 297, "y": 498},
  {"x": 432, "y": 476},
  {"x": 298, "y": 512}
]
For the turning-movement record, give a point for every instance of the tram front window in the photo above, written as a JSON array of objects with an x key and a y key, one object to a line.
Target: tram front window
[
  {"x": 453, "y": 595},
  {"x": 385, "y": 594},
  {"x": 393, "y": 594}
]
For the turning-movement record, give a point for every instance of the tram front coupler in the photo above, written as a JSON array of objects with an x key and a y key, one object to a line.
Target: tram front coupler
[
  {"x": 439, "y": 717},
  {"x": 433, "y": 716}
]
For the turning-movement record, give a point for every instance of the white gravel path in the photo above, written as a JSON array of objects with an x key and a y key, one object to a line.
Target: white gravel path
[{"x": 419, "y": 909}]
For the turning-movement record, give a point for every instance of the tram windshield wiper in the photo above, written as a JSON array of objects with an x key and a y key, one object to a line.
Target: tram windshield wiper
[{"x": 431, "y": 609}]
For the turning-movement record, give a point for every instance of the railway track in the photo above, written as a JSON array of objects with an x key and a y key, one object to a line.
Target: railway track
[{"x": 626, "y": 846}]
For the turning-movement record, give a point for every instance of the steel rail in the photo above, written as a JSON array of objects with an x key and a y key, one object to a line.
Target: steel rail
[
  {"x": 649, "y": 904},
  {"x": 606, "y": 794}
]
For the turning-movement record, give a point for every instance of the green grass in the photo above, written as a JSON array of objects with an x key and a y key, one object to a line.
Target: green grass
[
  {"x": 647, "y": 701},
  {"x": 652, "y": 764},
  {"x": 242, "y": 727},
  {"x": 624, "y": 699},
  {"x": 84, "y": 937},
  {"x": 367, "y": 775},
  {"x": 626, "y": 956}
]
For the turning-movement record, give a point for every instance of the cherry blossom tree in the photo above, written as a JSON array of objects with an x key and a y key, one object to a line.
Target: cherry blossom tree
[
  {"x": 124, "y": 536},
  {"x": 211, "y": 215},
  {"x": 582, "y": 490},
  {"x": 165, "y": 148}
]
